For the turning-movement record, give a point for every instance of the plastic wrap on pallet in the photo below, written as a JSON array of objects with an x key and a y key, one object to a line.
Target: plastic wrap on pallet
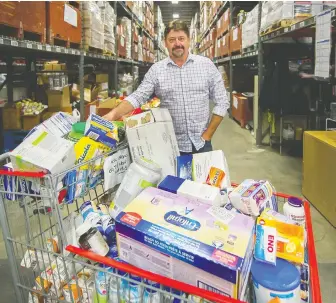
[
  {"x": 127, "y": 25},
  {"x": 140, "y": 50},
  {"x": 250, "y": 28},
  {"x": 109, "y": 20},
  {"x": 275, "y": 11},
  {"x": 93, "y": 25}
]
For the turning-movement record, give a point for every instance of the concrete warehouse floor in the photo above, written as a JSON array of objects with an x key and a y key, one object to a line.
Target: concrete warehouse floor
[{"x": 246, "y": 161}]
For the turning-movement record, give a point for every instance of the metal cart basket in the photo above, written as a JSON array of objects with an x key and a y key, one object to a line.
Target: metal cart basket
[{"x": 37, "y": 215}]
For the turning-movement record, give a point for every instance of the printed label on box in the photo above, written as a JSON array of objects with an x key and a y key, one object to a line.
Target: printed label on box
[
  {"x": 235, "y": 102},
  {"x": 235, "y": 34}
]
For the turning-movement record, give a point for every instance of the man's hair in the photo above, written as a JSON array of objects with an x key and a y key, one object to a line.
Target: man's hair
[{"x": 176, "y": 25}]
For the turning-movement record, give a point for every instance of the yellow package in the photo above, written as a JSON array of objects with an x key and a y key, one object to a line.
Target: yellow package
[
  {"x": 215, "y": 177},
  {"x": 290, "y": 239},
  {"x": 87, "y": 149}
]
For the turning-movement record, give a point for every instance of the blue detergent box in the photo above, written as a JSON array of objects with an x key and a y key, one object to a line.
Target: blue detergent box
[
  {"x": 180, "y": 238},
  {"x": 102, "y": 131}
]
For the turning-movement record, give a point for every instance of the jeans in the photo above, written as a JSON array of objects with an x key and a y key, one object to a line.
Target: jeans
[{"x": 206, "y": 148}]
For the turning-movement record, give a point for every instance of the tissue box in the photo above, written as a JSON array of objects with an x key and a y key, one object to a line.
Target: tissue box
[
  {"x": 42, "y": 151},
  {"x": 151, "y": 135},
  {"x": 199, "y": 244},
  {"x": 197, "y": 167},
  {"x": 199, "y": 192},
  {"x": 252, "y": 197}
]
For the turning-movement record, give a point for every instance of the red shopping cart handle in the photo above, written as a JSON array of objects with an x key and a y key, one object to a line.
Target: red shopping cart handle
[
  {"x": 22, "y": 174},
  {"x": 211, "y": 296}
]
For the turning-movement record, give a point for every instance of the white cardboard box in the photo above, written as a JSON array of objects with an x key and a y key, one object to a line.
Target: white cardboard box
[
  {"x": 155, "y": 141},
  {"x": 42, "y": 151}
]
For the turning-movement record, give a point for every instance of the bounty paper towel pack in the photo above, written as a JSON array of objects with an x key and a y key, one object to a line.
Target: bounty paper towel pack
[
  {"x": 199, "y": 244},
  {"x": 197, "y": 167}
]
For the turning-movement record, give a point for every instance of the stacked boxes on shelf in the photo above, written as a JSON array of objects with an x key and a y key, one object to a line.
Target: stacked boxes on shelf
[
  {"x": 194, "y": 32},
  {"x": 148, "y": 22},
  {"x": 204, "y": 15},
  {"x": 126, "y": 26},
  {"x": 93, "y": 26},
  {"x": 109, "y": 19},
  {"x": 250, "y": 28},
  {"x": 159, "y": 35},
  {"x": 223, "y": 37},
  {"x": 63, "y": 23},
  {"x": 289, "y": 11},
  {"x": 135, "y": 48}
]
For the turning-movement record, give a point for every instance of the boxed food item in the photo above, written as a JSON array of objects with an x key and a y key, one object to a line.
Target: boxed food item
[
  {"x": 11, "y": 118},
  {"x": 172, "y": 235},
  {"x": 197, "y": 191},
  {"x": 252, "y": 197},
  {"x": 196, "y": 167},
  {"x": 154, "y": 139},
  {"x": 42, "y": 151},
  {"x": 319, "y": 164}
]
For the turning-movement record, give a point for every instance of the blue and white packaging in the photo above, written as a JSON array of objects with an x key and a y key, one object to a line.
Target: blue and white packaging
[
  {"x": 266, "y": 244},
  {"x": 101, "y": 130},
  {"x": 197, "y": 191},
  {"x": 196, "y": 167}
]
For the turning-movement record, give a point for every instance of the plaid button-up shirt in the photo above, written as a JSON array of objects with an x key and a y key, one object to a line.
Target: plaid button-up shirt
[{"x": 186, "y": 91}]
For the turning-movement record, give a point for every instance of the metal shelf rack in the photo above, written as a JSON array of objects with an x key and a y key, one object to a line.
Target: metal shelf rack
[{"x": 305, "y": 27}]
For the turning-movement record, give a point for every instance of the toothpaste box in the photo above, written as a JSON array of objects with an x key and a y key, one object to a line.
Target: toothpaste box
[
  {"x": 198, "y": 166},
  {"x": 154, "y": 140},
  {"x": 199, "y": 244},
  {"x": 200, "y": 192},
  {"x": 101, "y": 130},
  {"x": 252, "y": 197},
  {"x": 42, "y": 151}
]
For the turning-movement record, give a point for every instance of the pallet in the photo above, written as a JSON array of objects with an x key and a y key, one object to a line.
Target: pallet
[
  {"x": 93, "y": 49},
  {"x": 108, "y": 52},
  {"x": 20, "y": 34},
  {"x": 277, "y": 25},
  {"x": 250, "y": 49},
  {"x": 65, "y": 43}
]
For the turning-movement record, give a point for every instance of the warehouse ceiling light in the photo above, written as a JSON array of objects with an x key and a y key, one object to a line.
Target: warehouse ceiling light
[
  {"x": 175, "y": 2},
  {"x": 176, "y": 16}
]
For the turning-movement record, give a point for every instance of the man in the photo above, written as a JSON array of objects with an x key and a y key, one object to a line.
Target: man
[{"x": 185, "y": 83}]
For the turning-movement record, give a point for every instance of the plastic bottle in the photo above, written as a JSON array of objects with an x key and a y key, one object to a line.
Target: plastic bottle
[
  {"x": 101, "y": 282},
  {"x": 151, "y": 295},
  {"x": 91, "y": 216},
  {"x": 90, "y": 238},
  {"x": 141, "y": 173},
  {"x": 135, "y": 290},
  {"x": 293, "y": 209},
  {"x": 116, "y": 284}
]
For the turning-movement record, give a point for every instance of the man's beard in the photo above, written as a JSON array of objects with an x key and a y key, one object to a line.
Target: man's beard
[{"x": 180, "y": 53}]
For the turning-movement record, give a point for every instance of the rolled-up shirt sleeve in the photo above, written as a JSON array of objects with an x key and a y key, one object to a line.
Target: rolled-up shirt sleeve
[
  {"x": 218, "y": 92},
  {"x": 145, "y": 89}
]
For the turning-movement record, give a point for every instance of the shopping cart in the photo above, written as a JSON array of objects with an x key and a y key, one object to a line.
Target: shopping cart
[{"x": 35, "y": 211}]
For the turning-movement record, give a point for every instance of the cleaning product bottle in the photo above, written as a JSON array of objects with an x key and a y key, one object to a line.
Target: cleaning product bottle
[
  {"x": 101, "y": 282},
  {"x": 151, "y": 295}
]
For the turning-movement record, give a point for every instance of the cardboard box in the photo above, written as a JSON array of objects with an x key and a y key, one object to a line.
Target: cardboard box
[
  {"x": 235, "y": 39},
  {"x": 41, "y": 151},
  {"x": 187, "y": 237},
  {"x": 91, "y": 92},
  {"x": 64, "y": 109},
  {"x": 241, "y": 109},
  {"x": 11, "y": 118},
  {"x": 155, "y": 141},
  {"x": 319, "y": 165},
  {"x": 59, "y": 99},
  {"x": 226, "y": 21},
  {"x": 29, "y": 122},
  {"x": 196, "y": 167},
  {"x": 106, "y": 106},
  {"x": 96, "y": 78},
  {"x": 203, "y": 193}
]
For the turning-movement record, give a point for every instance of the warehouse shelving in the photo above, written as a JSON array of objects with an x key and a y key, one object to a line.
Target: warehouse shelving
[{"x": 256, "y": 53}]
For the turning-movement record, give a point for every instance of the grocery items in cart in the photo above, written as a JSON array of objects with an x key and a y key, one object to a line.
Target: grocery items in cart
[
  {"x": 160, "y": 217},
  {"x": 294, "y": 210},
  {"x": 141, "y": 174},
  {"x": 281, "y": 281},
  {"x": 151, "y": 135},
  {"x": 252, "y": 197}
]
